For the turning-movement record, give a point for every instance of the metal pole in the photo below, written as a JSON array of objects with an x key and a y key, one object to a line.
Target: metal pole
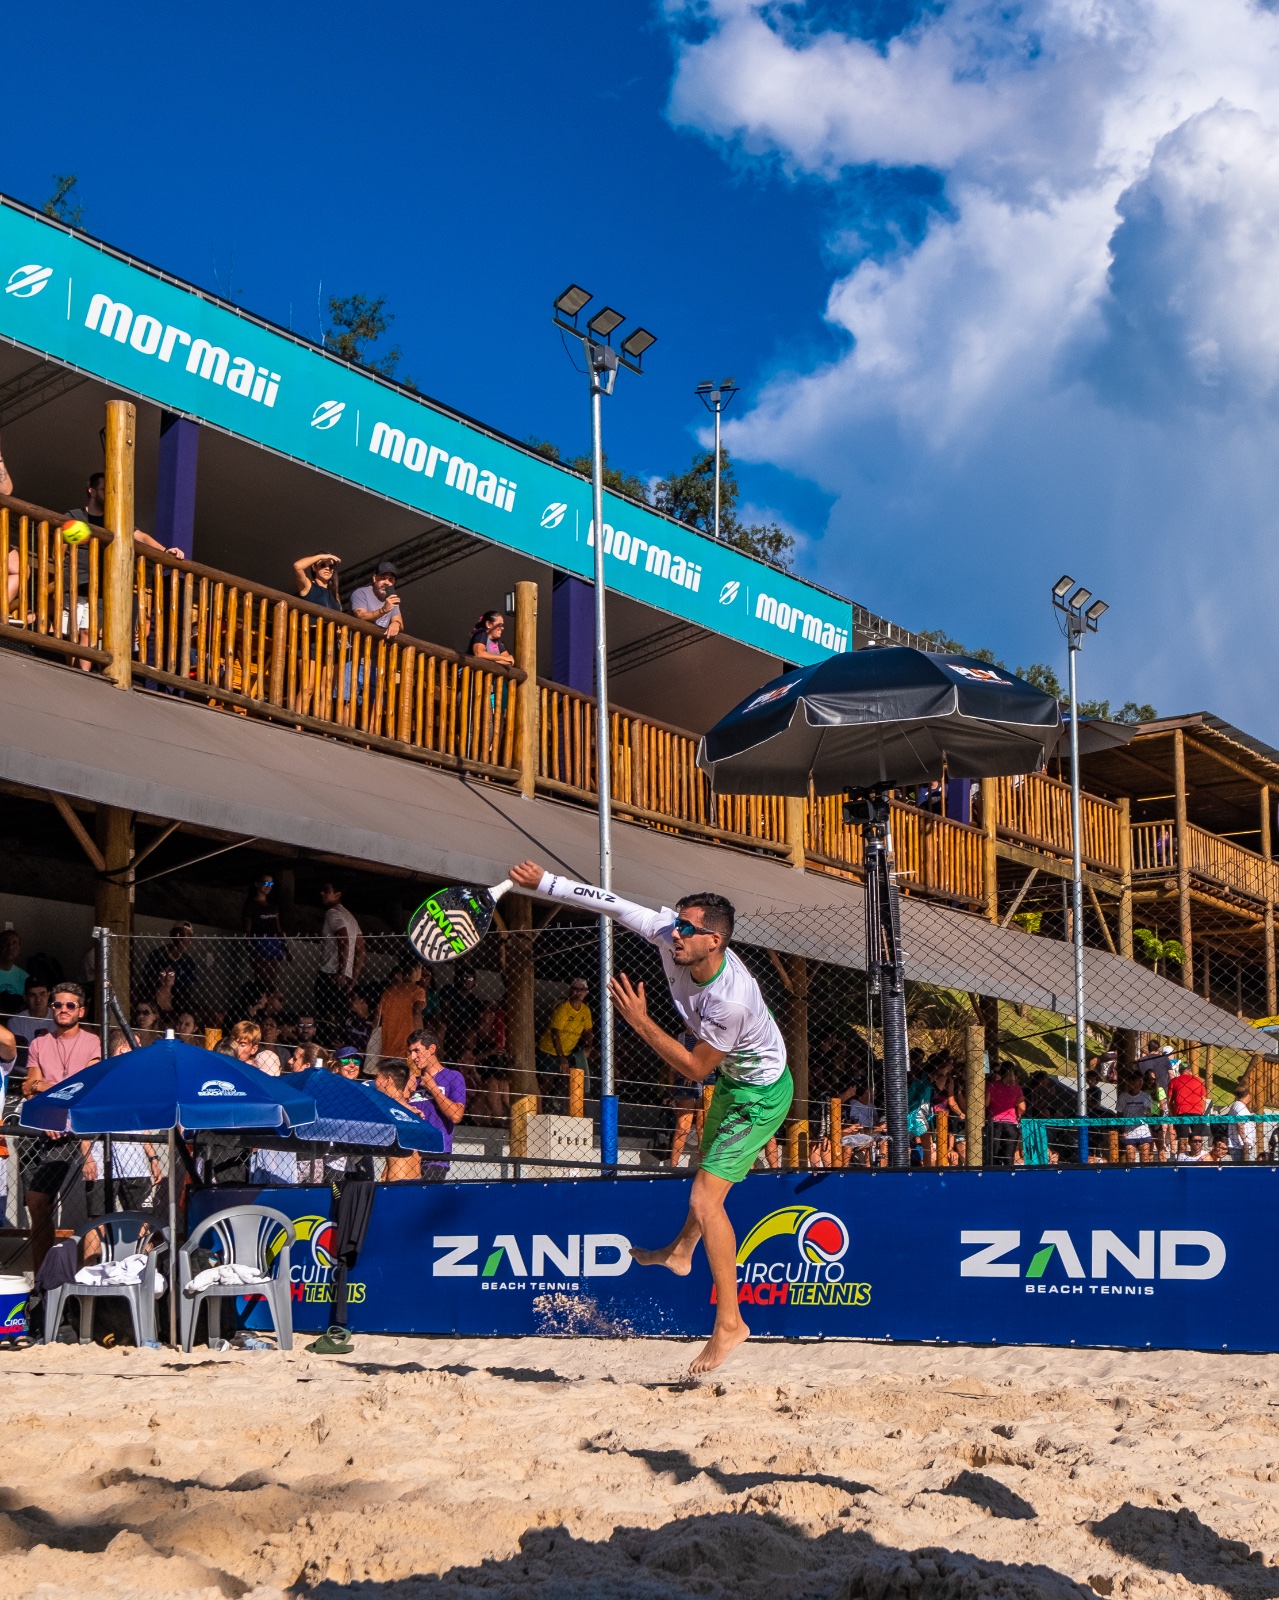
[
  {"x": 1077, "y": 905},
  {"x": 172, "y": 1262},
  {"x": 603, "y": 769},
  {"x": 718, "y": 408},
  {"x": 103, "y": 936}
]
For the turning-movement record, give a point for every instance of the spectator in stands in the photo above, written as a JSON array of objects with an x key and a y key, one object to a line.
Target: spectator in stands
[
  {"x": 1194, "y": 1149},
  {"x": 865, "y": 1123},
  {"x": 262, "y": 924},
  {"x": 305, "y": 1029},
  {"x": 343, "y": 958},
  {"x": 317, "y": 580},
  {"x": 494, "y": 1073},
  {"x": 146, "y": 1022},
  {"x": 1187, "y": 1096},
  {"x": 1158, "y": 1097},
  {"x": 348, "y": 1063},
  {"x": 949, "y": 1098},
  {"x": 1005, "y": 1105},
  {"x": 176, "y": 953},
  {"x": 1241, "y": 1137},
  {"x": 13, "y": 978},
  {"x": 433, "y": 1005},
  {"x": 35, "y": 1019},
  {"x": 1133, "y": 1101},
  {"x": 399, "y": 1011},
  {"x": 377, "y": 601},
  {"x": 1220, "y": 1148},
  {"x": 463, "y": 1008},
  {"x": 563, "y": 1044},
  {"x": 51, "y": 1058},
  {"x": 438, "y": 1094},
  {"x": 486, "y": 639},
  {"x": 184, "y": 1030},
  {"x": 8, "y": 1058},
  {"x": 246, "y": 1046},
  {"x": 356, "y": 1027},
  {"x": 393, "y": 1078},
  {"x": 309, "y": 1055}
]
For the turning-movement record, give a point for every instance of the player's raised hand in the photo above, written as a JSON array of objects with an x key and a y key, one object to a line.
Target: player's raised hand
[
  {"x": 527, "y": 874},
  {"x": 629, "y": 1000}
]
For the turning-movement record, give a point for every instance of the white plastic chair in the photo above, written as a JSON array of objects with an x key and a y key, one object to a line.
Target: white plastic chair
[
  {"x": 122, "y": 1235},
  {"x": 245, "y": 1236}
]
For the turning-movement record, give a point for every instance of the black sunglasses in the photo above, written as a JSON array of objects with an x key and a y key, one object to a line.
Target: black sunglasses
[{"x": 687, "y": 930}]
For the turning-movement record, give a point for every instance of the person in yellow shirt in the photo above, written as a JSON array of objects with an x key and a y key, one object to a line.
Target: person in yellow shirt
[{"x": 567, "y": 1034}]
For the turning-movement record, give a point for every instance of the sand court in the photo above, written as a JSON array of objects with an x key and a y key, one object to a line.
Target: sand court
[{"x": 589, "y": 1468}]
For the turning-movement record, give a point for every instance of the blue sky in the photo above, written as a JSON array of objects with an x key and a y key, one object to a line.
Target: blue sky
[{"x": 998, "y": 281}]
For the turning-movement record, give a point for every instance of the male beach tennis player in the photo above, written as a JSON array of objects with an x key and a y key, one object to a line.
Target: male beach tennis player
[{"x": 736, "y": 1037}]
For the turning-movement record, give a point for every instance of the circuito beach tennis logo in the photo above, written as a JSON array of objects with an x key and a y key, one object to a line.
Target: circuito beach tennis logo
[
  {"x": 311, "y": 1267},
  {"x": 795, "y": 1256}
]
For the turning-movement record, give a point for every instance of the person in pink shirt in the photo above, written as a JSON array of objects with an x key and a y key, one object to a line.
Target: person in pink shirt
[
  {"x": 1006, "y": 1105},
  {"x": 52, "y": 1057}
]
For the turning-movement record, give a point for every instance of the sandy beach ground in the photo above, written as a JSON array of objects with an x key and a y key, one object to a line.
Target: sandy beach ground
[{"x": 587, "y": 1468}]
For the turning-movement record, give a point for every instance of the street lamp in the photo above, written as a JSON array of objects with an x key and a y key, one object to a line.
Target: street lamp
[
  {"x": 1075, "y": 623},
  {"x": 716, "y": 400},
  {"x": 602, "y": 362}
]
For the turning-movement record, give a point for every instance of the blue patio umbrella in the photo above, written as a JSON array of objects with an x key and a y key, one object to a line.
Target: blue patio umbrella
[
  {"x": 168, "y": 1085},
  {"x": 356, "y": 1113}
]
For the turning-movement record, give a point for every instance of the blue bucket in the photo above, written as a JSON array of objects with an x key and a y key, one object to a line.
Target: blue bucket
[{"x": 14, "y": 1294}]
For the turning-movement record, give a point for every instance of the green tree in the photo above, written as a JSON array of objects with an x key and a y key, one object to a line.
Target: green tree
[
  {"x": 356, "y": 324},
  {"x": 1130, "y": 711},
  {"x": 64, "y": 205},
  {"x": 1159, "y": 952},
  {"x": 690, "y": 497},
  {"x": 619, "y": 482}
]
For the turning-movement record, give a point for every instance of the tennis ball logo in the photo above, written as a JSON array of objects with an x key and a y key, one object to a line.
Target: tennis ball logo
[
  {"x": 74, "y": 532},
  {"x": 28, "y": 281},
  {"x": 314, "y": 1231},
  {"x": 822, "y": 1238}
]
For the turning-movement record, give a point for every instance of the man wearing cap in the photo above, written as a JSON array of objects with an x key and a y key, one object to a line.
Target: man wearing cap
[
  {"x": 567, "y": 1032},
  {"x": 378, "y": 602}
]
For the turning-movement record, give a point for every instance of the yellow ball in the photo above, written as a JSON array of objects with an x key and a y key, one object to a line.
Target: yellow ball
[{"x": 74, "y": 532}]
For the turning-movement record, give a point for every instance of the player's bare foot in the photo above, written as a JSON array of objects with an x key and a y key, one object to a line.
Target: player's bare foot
[
  {"x": 719, "y": 1347},
  {"x": 681, "y": 1265}
]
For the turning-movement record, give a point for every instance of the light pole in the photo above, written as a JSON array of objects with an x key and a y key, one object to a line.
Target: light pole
[
  {"x": 716, "y": 400},
  {"x": 1076, "y": 622},
  {"x": 602, "y": 362}
]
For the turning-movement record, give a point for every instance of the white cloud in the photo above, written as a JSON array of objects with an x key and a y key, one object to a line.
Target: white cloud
[{"x": 1081, "y": 355}]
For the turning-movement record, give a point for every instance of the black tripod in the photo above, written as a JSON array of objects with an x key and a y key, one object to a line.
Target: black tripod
[{"x": 868, "y": 810}]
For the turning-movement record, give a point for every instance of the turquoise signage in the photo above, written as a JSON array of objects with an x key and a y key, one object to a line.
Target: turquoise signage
[{"x": 129, "y": 325}]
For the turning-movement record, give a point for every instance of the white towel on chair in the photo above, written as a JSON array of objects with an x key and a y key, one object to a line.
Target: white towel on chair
[
  {"x": 128, "y": 1270},
  {"x": 230, "y": 1272}
]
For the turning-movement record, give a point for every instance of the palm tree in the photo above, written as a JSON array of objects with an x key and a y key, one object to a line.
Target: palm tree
[{"x": 1159, "y": 951}]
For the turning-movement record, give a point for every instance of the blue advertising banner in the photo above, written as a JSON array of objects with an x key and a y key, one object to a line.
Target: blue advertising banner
[
  {"x": 87, "y": 306},
  {"x": 1166, "y": 1257}
]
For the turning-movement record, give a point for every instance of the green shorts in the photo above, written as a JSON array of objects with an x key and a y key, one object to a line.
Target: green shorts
[{"x": 742, "y": 1118}]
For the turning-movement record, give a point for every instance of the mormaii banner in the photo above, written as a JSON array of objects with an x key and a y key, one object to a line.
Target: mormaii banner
[{"x": 1166, "y": 1257}]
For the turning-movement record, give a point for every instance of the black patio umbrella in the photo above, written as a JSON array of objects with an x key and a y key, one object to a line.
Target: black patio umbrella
[{"x": 864, "y": 723}]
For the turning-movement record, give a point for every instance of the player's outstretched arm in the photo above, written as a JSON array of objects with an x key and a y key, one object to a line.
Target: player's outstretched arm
[
  {"x": 632, "y": 1006},
  {"x": 532, "y": 878}
]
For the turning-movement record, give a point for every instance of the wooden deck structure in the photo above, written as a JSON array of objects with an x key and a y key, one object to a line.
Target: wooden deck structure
[{"x": 1177, "y": 823}]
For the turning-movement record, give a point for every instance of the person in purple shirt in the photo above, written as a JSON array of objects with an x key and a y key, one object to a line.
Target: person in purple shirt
[{"x": 439, "y": 1094}]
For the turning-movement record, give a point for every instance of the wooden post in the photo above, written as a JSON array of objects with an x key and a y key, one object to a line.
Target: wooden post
[
  {"x": 1210, "y": 1070},
  {"x": 836, "y": 1131},
  {"x": 1183, "y": 854},
  {"x": 117, "y": 578},
  {"x": 1125, "y": 878},
  {"x": 113, "y": 894},
  {"x": 975, "y": 1090},
  {"x": 1272, "y": 997},
  {"x": 526, "y": 699},
  {"x": 521, "y": 1034},
  {"x": 279, "y": 651},
  {"x": 989, "y": 860},
  {"x": 1112, "y": 1146},
  {"x": 943, "y": 1138},
  {"x": 708, "y": 1094},
  {"x": 576, "y": 1092},
  {"x": 795, "y": 805}
]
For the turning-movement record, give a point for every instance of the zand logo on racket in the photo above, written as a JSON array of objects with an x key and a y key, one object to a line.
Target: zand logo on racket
[{"x": 795, "y": 1256}]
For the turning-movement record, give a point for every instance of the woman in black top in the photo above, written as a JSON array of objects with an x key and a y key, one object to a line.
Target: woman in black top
[
  {"x": 317, "y": 580},
  {"x": 263, "y": 926}
]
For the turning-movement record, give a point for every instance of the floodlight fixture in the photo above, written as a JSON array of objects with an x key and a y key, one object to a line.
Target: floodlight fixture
[
  {"x": 704, "y": 387},
  {"x": 604, "y": 321},
  {"x": 1062, "y": 586},
  {"x": 572, "y": 300},
  {"x": 1095, "y": 611},
  {"x": 715, "y": 396},
  {"x": 635, "y": 344},
  {"x": 1080, "y": 598}
]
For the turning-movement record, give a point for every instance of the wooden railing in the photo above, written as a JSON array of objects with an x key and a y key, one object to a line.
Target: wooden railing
[
  {"x": 1211, "y": 860},
  {"x": 52, "y": 589},
  {"x": 1035, "y": 810},
  {"x": 654, "y": 773},
  {"x": 272, "y": 654},
  {"x": 933, "y": 854}
]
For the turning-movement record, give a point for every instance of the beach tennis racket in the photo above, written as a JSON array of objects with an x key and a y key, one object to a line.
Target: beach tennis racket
[{"x": 451, "y": 921}]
